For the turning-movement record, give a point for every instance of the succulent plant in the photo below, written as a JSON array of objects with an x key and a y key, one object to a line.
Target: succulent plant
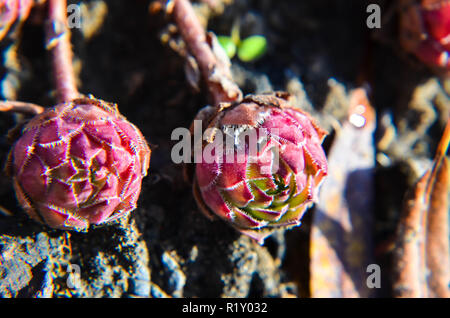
[
  {"x": 425, "y": 31},
  {"x": 78, "y": 163},
  {"x": 12, "y": 11},
  {"x": 264, "y": 182}
]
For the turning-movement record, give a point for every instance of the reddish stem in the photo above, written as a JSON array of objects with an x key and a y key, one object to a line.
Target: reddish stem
[
  {"x": 58, "y": 39},
  {"x": 220, "y": 85}
]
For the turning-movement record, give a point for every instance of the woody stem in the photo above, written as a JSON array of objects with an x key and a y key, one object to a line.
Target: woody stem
[{"x": 58, "y": 42}]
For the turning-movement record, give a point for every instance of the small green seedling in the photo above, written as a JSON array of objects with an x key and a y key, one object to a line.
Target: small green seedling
[{"x": 248, "y": 49}]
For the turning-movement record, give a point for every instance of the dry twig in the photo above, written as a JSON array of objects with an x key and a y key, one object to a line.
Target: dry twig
[{"x": 58, "y": 42}]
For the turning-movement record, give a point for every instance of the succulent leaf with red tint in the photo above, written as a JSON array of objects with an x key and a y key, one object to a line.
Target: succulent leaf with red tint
[
  {"x": 79, "y": 163},
  {"x": 270, "y": 187},
  {"x": 425, "y": 31}
]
